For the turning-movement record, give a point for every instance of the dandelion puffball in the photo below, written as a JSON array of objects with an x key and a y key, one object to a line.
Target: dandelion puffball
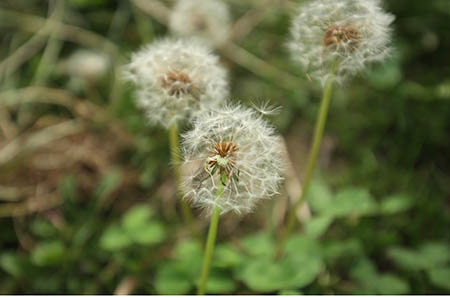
[
  {"x": 205, "y": 19},
  {"x": 232, "y": 148},
  {"x": 87, "y": 64},
  {"x": 175, "y": 79},
  {"x": 345, "y": 34}
]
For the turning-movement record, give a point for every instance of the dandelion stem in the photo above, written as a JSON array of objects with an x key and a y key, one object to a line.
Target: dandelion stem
[
  {"x": 312, "y": 158},
  {"x": 175, "y": 156},
  {"x": 210, "y": 241}
]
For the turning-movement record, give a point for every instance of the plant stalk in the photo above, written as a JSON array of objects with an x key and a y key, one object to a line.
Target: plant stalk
[
  {"x": 210, "y": 241},
  {"x": 312, "y": 159},
  {"x": 209, "y": 251},
  {"x": 176, "y": 160}
]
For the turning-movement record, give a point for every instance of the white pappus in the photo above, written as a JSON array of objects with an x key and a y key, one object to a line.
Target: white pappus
[
  {"x": 175, "y": 79},
  {"x": 345, "y": 34},
  {"x": 206, "y": 19},
  {"x": 234, "y": 149}
]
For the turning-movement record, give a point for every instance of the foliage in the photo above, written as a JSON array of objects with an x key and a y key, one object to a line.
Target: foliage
[{"x": 87, "y": 198}]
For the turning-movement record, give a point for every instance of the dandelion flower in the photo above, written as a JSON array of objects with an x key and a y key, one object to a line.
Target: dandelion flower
[
  {"x": 346, "y": 34},
  {"x": 232, "y": 148},
  {"x": 87, "y": 64},
  {"x": 206, "y": 19},
  {"x": 175, "y": 79}
]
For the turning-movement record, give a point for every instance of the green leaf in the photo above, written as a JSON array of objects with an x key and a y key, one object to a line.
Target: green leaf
[
  {"x": 440, "y": 277},
  {"x": 395, "y": 204},
  {"x": 343, "y": 248},
  {"x": 225, "y": 256},
  {"x": 353, "y": 201},
  {"x": 67, "y": 187},
  {"x": 48, "y": 253},
  {"x": 220, "y": 283},
  {"x": 289, "y": 293},
  {"x": 300, "y": 270},
  {"x": 43, "y": 228},
  {"x": 364, "y": 272},
  {"x": 317, "y": 226},
  {"x": 189, "y": 257},
  {"x": 260, "y": 244},
  {"x": 263, "y": 275},
  {"x": 114, "y": 238},
  {"x": 429, "y": 256},
  {"x": 292, "y": 272},
  {"x": 188, "y": 250},
  {"x": 407, "y": 258},
  {"x": 388, "y": 284},
  {"x": 136, "y": 217},
  {"x": 172, "y": 279},
  {"x": 139, "y": 227},
  {"x": 109, "y": 183},
  {"x": 374, "y": 283},
  {"x": 152, "y": 233},
  {"x": 302, "y": 245},
  {"x": 435, "y": 254},
  {"x": 319, "y": 197},
  {"x": 12, "y": 264}
]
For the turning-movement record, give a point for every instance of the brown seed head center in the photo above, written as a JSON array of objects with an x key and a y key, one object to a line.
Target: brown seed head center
[
  {"x": 177, "y": 83},
  {"x": 224, "y": 149},
  {"x": 222, "y": 159},
  {"x": 199, "y": 23},
  {"x": 347, "y": 36}
]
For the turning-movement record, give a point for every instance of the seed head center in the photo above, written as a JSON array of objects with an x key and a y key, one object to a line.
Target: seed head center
[
  {"x": 199, "y": 22},
  {"x": 176, "y": 83},
  {"x": 347, "y": 36},
  {"x": 222, "y": 160}
]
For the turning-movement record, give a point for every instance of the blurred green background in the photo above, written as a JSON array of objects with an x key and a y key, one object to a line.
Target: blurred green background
[{"x": 87, "y": 197}]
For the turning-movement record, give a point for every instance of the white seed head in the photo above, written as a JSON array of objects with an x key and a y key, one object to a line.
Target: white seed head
[
  {"x": 175, "y": 79},
  {"x": 346, "y": 33},
  {"x": 234, "y": 148},
  {"x": 87, "y": 64},
  {"x": 205, "y": 19}
]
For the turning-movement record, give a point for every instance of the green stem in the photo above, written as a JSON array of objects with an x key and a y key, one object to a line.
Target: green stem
[
  {"x": 312, "y": 159},
  {"x": 52, "y": 50},
  {"x": 176, "y": 160},
  {"x": 210, "y": 241}
]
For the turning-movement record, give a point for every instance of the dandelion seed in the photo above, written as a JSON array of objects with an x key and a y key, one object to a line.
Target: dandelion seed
[
  {"x": 348, "y": 33},
  {"x": 232, "y": 148},
  {"x": 205, "y": 19},
  {"x": 266, "y": 108},
  {"x": 175, "y": 79}
]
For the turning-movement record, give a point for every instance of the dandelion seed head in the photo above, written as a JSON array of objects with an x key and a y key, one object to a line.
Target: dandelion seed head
[
  {"x": 205, "y": 19},
  {"x": 87, "y": 64},
  {"x": 176, "y": 78},
  {"x": 234, "y": 148},
  {"x": 348, "y": 33}
]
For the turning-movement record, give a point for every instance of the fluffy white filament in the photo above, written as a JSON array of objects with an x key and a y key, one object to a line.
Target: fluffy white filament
[
  {"x": 257, "y": 164},
  {"x": 347, "y": 33},
  {"x": 175, "y": 79},
  {"x": 205, "y": 19}
]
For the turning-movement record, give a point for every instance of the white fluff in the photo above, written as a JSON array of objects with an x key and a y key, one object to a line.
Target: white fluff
[
  {"x": 166, "y": 99},
  {"x": 205, "y": 19},
  {"x": 313, "y": 20},
  {"x": 87, "y": 64},
  {"x": 258, "y": 161}
]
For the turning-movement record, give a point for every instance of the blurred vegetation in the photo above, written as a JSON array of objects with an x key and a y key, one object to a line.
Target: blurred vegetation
[{"x": 87, "y": 197}]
